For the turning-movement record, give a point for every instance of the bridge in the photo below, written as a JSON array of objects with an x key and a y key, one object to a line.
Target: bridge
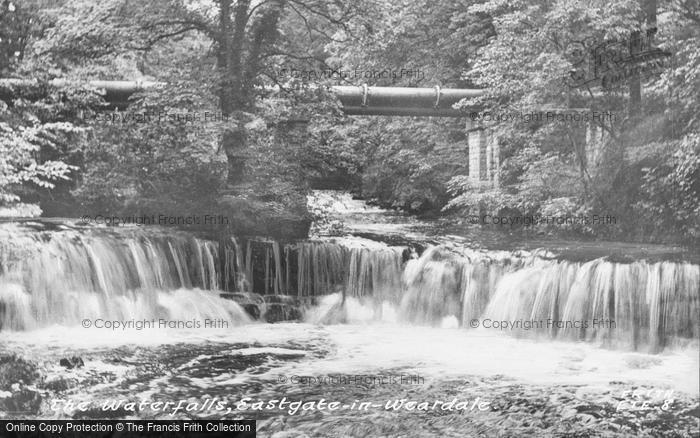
[
  {"x": 355, "y": 100},
  {"x": 363, "y": 100}
]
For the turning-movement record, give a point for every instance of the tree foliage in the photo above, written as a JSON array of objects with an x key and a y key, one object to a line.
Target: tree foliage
[
  {"x": 234, "y": 57},
  {"x": 640, "y": 170}
]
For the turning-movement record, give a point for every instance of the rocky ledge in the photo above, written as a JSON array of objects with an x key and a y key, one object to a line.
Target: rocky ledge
[{"x": 271, "y": 308}]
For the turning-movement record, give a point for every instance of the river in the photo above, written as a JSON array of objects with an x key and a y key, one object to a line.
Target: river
[{"x": 483, "y": 337}]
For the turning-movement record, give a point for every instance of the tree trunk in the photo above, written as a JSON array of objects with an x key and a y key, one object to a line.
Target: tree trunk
[
  {"x": 241, "y": 100},
  {"x": 634, "y": 82},
  {"x": 233, "y": 95},
  {"x": 635, "y": 86},
  {"x": 224, "y": 58}
]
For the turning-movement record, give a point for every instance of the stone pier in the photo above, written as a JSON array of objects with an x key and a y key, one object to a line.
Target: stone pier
[{"x": 484, "y": 156}]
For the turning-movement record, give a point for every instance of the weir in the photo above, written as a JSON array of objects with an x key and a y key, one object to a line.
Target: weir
[{"x": 62, "y": 276}]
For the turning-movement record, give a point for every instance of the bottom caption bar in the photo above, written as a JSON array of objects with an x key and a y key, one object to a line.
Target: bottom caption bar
[{"x": 127, "y": 428}]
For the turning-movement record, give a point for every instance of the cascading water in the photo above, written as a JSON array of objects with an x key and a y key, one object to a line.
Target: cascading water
[
  {"x": 62, "y": 277},
  {"x": 637, "y": 305},
  {"x": 356, "y": 270},
  {"x": 370, "y": 309},
  {"x": 647, "y": 303}
]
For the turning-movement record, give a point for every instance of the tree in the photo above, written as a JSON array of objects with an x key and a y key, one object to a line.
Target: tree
[
  {"x": 246, "y": 43},
  {"x": 34, "y": 135},
  {"x": 224, "y": 52},
  {"x": 402, "y": 162},
  {"x": 538, "y": 44}
]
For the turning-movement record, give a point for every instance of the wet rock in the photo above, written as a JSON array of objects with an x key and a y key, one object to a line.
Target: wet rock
[
  {"x": 309, "y": 301},
  {"x": 282, "y": 312},
  {"x": 281, "y": 299},
  {"x": 396, "y": 240},
  {"x": 585, "y": 418},
  {"x": 15, "y": 370},
  {"x": 73, "y": 362},
  {"x": 59, "y": 384},
  {"x": 243, "y": 297},
  {"x": 253, "y": 297},
  {"x": 252, "y": 309},
  {"x": 251, "y": 302},
  {"x": 22, "y": 400},
  {"x": 299, "y": 303}
]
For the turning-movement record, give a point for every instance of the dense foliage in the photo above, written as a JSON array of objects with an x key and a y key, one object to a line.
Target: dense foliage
[
  {"x": 403, "y": 162},
  {"x": 235, "y": 58},
  {"x": 232, "y": 157},
  {"x": 643, "y": 169},
  {"x": 638, "y": 165}
]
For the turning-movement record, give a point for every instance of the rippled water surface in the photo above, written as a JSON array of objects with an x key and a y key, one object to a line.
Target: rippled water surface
[{"x": 398, "y": 332}]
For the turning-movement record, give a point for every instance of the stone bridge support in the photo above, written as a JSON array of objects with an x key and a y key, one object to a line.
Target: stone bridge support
[
  {"x": 596, "y": 138},
  {"x": 484, "y": 155}
]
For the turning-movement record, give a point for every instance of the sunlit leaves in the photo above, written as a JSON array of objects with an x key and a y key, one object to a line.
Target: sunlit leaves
[{"x": 18, "y": 159}]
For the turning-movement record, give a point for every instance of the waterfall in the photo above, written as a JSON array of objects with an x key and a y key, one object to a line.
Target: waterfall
[
  {"x": 432, "y": 288},
  {"x": 64, "y": 275},
  {"x": 640, "y": 305},
  {"x": 650, "y": 304},
  {"x": 356, "y": 271}
]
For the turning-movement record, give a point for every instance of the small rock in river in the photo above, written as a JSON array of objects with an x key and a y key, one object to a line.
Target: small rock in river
[
  {"x": 73, "y": 362},
  {"x": 24, "y": 400},
  {"x": 282, "y": 312}
]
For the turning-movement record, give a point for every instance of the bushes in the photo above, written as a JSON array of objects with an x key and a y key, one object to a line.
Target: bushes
[
  {"x": 34, "y": 149},
  {"x": 654, "y": 194},
  {"x": 412, "y": 163},
  {"x": 670, "y": 190}
]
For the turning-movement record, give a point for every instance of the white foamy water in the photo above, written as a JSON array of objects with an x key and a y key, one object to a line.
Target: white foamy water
[
  {"x": 381, "y": 309},
  {"x": 366, "y": 345}
]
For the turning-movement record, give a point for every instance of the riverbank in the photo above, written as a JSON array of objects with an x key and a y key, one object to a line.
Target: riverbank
[{"x": 343, "y": 214}]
